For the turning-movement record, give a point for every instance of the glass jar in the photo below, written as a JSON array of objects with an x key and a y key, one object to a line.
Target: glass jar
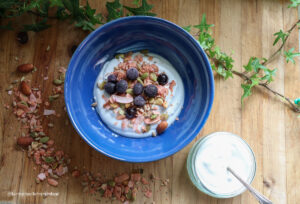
[{"x": 199, "y": 162}]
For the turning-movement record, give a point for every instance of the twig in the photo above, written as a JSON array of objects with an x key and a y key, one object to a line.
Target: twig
[
  {"x": 294, "y": 107},
  {"x": 282, "y": 45},
  {"x": 41, "y": 15}
]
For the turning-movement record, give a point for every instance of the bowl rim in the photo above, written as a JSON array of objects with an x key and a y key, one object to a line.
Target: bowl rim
[{"x": 175, "y": 149}]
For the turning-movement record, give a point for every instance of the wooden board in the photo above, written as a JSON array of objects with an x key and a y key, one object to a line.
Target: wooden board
[{"x": 272, "y": 130}]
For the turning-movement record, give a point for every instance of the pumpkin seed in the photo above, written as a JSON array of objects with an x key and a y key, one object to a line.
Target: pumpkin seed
[
  {"x": 153, "y": 116},
  {"x": 159, "y": 102},
  {"x": 144, "y": 76},
  {"x": 53, "y": 97},
  {"x": 111, "y": 183},
  {"x": 57, "y": 82},
  {"x": 44, "y": 139},
  {"x": 164, "y": 116},
  {"x": 153, "y": 77},
  {"x": 101, "y": 85},
  {"x": 151, "y": 100},
  {"x": 118, "y": 56},
  {"x": 139, "y": 80},
  {"x": 114, "y": 105},
  {"x": 144, "y": 51},
  {"x": 49, "y": 159},
  {"x": 129, "y": 91}
]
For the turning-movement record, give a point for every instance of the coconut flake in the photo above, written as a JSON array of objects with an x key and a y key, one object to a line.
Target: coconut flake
[
  {"x": 41, "y": 176},
  {"x": 122, "y": 99},
  {"x": 49, "y": 112}
]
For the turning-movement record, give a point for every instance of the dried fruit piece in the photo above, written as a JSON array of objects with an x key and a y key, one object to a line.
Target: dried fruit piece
[
  {"x": 25, "y": 68},
  {"x": 24, "y": 141},
  {"x": 25, "y": 88},
  {"x": 22, "y": 37},
  {"x": 161, "y": 127}
]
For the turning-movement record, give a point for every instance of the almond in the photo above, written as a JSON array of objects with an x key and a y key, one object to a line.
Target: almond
[
  {"x": 25, "y": 68},
  {"x": 25, "y": 88},
  {"x": 24, "y": 141},
  {"x": 161, "y": 127}
]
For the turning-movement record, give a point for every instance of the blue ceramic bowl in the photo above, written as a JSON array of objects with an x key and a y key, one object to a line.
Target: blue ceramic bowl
[{"x": 133, "y": 34}]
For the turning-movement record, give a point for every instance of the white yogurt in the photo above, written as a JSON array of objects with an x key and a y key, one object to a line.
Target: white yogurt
[
  {"x": 175, "y": 102},
  {"x": 215, "y": 154}
]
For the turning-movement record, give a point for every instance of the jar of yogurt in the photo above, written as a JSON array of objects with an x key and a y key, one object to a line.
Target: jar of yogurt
[{"x": 208, "y": 161}]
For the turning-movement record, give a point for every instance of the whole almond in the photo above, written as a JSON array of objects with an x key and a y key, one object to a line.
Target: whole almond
[
  {"x": 161, "y": 127},
  {"x": 25, "y": 88},
  {"x": 24, "y": 141},
  {"x": 25, "y": 68}
]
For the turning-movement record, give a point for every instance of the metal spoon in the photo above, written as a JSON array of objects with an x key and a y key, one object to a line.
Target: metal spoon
[{"x": 260, "y": 197}]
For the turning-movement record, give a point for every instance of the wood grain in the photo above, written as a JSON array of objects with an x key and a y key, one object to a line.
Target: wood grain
[{"x": 272, "y": 130}]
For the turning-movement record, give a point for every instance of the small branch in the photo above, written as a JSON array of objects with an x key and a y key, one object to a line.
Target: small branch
[
  {"x": 294, "y": 107},
  {"x": 40, "y": 15},
  {"x": 282, "y": 45}
]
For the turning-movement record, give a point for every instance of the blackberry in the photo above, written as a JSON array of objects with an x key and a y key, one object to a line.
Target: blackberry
[
  {"x": 150, "y": 91},
  {"x": 130, "y": 112},
  {"x": 139, "y": 101},
  {"x": 162, "y": 79},
  {"x": 132, "y": 74},
  {"x": 110, "y": 87},
  {"x": 121, "y": 86},
  {"x": 138, "y": 89},
  {"x": 112, "y": 78}
]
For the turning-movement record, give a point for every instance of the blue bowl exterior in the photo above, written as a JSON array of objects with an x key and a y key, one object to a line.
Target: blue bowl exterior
[{"x": 133, "y": 34}]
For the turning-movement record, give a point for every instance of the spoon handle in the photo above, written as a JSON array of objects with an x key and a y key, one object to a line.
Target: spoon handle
[{"x": 261, "y": 198}]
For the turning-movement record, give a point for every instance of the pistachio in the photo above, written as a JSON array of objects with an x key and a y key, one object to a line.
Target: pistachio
[
  {"x": 101, "y": 85},
  {"x": 144, "y": 76},
  {"x": 153, "y": 77}
]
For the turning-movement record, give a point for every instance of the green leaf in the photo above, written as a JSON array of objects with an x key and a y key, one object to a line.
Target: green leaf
[
  {"x": 203, "y": 26},
  {"x": 115, "y": 10},
  {"x": 57, "y": 3},
  {"x": 254, "y": 65},
  {"x": 294, "y": 3},
  {"x": 289, "y": 55},
  {"x": 8, "y": 26},
  {"x": 187, "y": 28},
  {"x": 143, "y": 10},
  {"x": 280, "y": 35},
  {"x": 39, "y": 26},
  {"x": 136, "y": 2},
  {"x": 269, "y": 75},
  {"x": 247, "y": 87}
]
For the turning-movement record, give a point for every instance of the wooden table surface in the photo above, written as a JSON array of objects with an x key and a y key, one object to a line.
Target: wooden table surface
[{"x": 272, "y": 130}]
